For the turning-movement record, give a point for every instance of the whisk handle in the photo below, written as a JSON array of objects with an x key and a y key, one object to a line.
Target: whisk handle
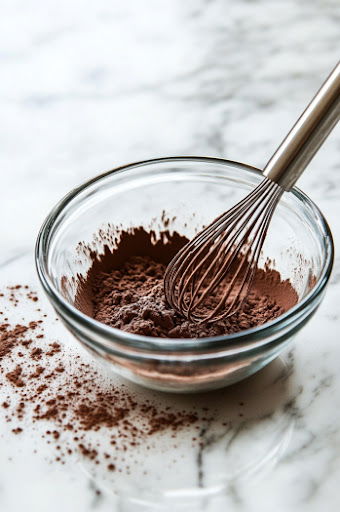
[{"x": 307, "y": 135}]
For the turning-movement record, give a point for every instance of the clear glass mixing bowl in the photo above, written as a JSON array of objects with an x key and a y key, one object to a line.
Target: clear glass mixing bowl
[{"x": 191, "y": 191}]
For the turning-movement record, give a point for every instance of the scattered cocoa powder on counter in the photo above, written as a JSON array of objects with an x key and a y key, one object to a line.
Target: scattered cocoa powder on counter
[
  {"x": 15, "y": 377},
  {"x": 124, "y": 289},
  {"x": 17, "y": 430},
  {"x": 10, "y": 335},
  {"x": 71, "y": 400}
]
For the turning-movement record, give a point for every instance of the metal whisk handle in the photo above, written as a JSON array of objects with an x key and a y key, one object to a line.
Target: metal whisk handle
[{"x": 307, "y": 135}]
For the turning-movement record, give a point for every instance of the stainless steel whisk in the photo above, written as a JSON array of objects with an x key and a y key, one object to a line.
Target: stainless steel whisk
[{"x": 210, "y": 277}]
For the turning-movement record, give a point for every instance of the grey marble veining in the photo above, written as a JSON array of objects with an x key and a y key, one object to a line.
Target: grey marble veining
[{"x": 87, "y": 86}]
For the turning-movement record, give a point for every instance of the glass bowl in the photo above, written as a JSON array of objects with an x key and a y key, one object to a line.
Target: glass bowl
[{"x": 190, "y": 192}]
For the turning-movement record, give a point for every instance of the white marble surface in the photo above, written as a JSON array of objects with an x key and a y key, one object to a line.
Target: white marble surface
[{"x": 86, "y": 86}]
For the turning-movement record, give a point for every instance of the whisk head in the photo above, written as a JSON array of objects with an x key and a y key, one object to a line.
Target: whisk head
[{"x": 211, "y": 275}]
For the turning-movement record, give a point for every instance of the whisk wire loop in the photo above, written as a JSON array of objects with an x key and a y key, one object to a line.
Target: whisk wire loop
[{"x": 209, "y": 278}]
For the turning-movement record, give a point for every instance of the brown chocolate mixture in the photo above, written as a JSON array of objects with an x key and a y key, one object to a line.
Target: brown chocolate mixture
[
  {"x": 42, "y": 385},
  {"x": 124, "y": 289}
]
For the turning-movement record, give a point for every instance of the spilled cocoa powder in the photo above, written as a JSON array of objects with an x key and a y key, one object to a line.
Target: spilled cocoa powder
[
  {"x": 69, "y": 403},
  {"x": 124, "y": 289}
]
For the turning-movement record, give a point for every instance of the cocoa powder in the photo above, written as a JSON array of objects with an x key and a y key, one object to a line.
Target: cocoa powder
[{"x": 124, "y": 289}]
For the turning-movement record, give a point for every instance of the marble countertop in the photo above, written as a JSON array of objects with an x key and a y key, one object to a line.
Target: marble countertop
[{"x": 88, "y": 86}]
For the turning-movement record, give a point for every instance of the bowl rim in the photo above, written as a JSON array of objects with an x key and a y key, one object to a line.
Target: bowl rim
[{"x": 137, "y": 341}]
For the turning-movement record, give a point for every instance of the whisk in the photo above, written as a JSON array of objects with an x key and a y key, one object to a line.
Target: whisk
[{"x": 209, "y": 278}]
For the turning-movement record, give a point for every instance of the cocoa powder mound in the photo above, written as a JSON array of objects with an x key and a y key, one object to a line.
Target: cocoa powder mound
[{"x": 124, "y": 289}]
